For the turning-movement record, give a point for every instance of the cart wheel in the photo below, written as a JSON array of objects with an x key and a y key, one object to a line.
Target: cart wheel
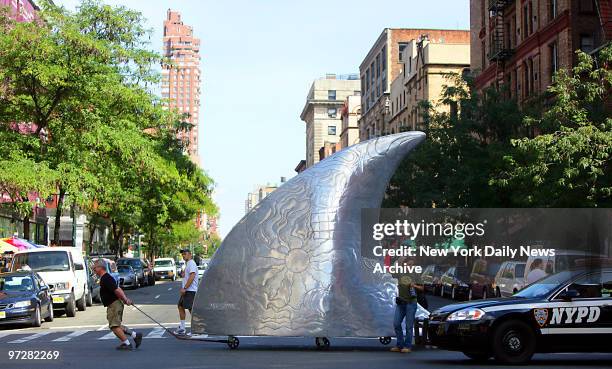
[
  {"x": 322, "y": 342},
  {"x": 385, "y": 340},
  {"x": 233, "y": 342}
]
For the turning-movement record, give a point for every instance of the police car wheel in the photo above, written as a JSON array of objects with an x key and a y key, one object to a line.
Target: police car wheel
[
  {"x": 478, "y": 356},
  {"x": 385, "y": 340},
  {"x": 514, "y": 342}
]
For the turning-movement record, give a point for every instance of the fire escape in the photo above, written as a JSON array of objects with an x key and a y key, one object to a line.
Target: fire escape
[{"x": 500, "y": 48}]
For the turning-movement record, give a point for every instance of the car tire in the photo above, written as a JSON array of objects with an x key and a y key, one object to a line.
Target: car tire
[
  {"x": 514, "y": 342},
  {"x": 49, "y": 318},
  {"x": 478, "y": 356},
  {"x": 81, "y": 303},
  {"x": 89, "y": 299},
  {"x": 497, "y": 292},
  {"x": 71, "y": 307},
  {"x": 36, "y": 320}
]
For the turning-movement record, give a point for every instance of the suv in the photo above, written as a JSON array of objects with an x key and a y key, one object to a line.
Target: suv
[
  {"x": 63, "y": 270},
  {"x": 165, "y": 269},
  {"x": 142, "y": 268},
  {"x": 455, "y": 282}
]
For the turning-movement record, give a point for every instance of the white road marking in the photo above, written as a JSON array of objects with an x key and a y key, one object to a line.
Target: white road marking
[
  {"x": 30, "y": 338},
  {"x": 108, "y": 336},
  {"x": 70, "y": 336},
  {"x": 157, "y": 296},
  {"x": 156, "y": 333},
  {"x": 102, "y": 327},
  {"x": 170, "y": 289}
]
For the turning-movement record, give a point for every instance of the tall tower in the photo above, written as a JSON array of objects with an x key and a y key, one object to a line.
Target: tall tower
[{"x": 181, "y": 76}]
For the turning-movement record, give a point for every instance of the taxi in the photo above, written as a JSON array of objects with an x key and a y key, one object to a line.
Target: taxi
[{"x": 570, "y": 311}]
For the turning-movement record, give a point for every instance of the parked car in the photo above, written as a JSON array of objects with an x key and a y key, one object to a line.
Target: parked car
[
  {"x": 455, "y": 282},
  {"x": 165, "y": 269},
  {"x": 24, "y": 299},
  {"x": 93, "y": 283},
  {"x": 63, "y": 270},
  {"x": 510, "y": 278},
  {"x": 127, "y": 277},
  {"x": 431, "y": 278},
  {"x": 482, "y": 279},
  {"x": 181, "y": 268},
  {"x": 201, "y": 269},
  {"x": 143, "y": 270}
]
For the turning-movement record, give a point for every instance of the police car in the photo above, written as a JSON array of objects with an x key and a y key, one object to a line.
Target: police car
[{"x": 570, "y": 311}]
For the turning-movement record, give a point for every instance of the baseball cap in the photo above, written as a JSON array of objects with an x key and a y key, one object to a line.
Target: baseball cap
[{"x": 185, "y": 250}]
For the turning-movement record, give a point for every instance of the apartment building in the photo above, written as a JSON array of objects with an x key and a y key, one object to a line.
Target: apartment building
[
  {"x": 426, "y": 66},
  {"x": 20, "y": 10},
  {"x": 351, "y": 113},
  {"x": 181, "y": 77},
  {"x": 259, "y": 193},
  {"x": 520, "y": 44},
  {"x": 322, "y": 109},
  {"x": 380, "y": 68}
]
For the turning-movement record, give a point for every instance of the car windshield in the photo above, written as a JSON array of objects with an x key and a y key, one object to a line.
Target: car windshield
[
  {"x": 163, "y": 263},
  {"x": 48, "y": 261},
  {"x": 134, "y": 263},
  {"x": 124, "y": 268},
  {"x": 21, "y": 283},
  {"x": 545, "y": 286}
]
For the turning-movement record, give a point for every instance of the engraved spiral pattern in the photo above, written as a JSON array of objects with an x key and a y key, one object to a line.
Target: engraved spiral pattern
[{"x": 293, "y": 266}]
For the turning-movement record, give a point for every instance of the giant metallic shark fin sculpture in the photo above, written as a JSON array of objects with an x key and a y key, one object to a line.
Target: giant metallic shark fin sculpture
[{"x": 293, "y": 266}]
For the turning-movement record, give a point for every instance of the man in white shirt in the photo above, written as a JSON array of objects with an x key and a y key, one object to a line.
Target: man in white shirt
[
  {"x": 188, "y": 290},
  {"x": 537, "y": 271}
]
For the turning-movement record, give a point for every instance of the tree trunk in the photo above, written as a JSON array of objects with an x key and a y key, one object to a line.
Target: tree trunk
[
  {"x": 120, "y": 242},
  {"x": 58, "y": 216},
  {"x": 26, "y": 227},
  {"x": 92, "y": 231}
]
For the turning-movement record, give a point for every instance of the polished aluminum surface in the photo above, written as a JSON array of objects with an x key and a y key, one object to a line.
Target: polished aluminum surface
[{"x": 293, "y": 266}]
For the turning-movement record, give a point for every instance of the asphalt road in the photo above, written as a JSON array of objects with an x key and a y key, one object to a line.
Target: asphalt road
[{"x": 85, "y": 341}]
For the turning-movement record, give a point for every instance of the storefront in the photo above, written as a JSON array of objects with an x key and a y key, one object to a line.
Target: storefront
[{"x": 11, "y": 225}]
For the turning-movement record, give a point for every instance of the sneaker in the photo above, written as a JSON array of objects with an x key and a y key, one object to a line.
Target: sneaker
[
  {"x": 138, "y": 339},
  {"x": 124, "y": 347},
  {"x": 395, "y": 349},
  {"x": 406, "y": 350},
  {"x": 180, "y": 332}
]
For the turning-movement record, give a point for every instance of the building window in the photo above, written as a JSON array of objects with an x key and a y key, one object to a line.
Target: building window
[
  {"x": 586, "y": 6},
  {"x": 483, "y": 12},
  {"x": 331, "y": 94},
  {"x": 383, "y": 54},
  {"x": 525, "y": 21},
  {"x": 483, "y": 55},
  {"x": 356, "y": 93},
  {"x": 331, "y": 130},
  {"x": 377, "y": 65},
  {"x": 554, "y": 59},
  {"x": 532, "y": 19},
  {"x": 332, "y": 112},
  {"x": 587, "y": 43},
  {"x": 552, "y": 9},
  {"x": 401, "y": 47}
]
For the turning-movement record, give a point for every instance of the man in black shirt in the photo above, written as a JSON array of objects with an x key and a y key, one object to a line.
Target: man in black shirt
[{"x": 113, "y": 298}]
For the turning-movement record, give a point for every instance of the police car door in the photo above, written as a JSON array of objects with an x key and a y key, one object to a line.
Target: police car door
[{"x": 580, "y": 315}]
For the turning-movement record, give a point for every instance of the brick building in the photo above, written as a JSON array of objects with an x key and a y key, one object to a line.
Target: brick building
[
  {"x": 181, "y": 76},
  {"x": 380, "y": 68},
  {"x": 351, "y": 113},
  {"x": 20, "y": 10},
  {"x": 522, "y": 43}
]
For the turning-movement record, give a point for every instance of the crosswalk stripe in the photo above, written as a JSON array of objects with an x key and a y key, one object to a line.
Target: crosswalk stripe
[
  {"x": 30, "y": 338},
  {"x": 108, "y": 336},
  {"x": 156, "y": 333},
  {"x": 70, "y": 336}
]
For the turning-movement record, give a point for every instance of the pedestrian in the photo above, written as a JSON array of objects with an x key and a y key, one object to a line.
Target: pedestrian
[
  {"x": 405, "y": 307},
  {"x": 113, "y": 298},
  {"x": 188, "y": 290},
  {"x": 536, "y": 271}
]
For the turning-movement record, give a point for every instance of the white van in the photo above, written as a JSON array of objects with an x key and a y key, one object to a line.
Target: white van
[
  {"x": 63, "y": 269},
  {"x": 165, "y": 268}
]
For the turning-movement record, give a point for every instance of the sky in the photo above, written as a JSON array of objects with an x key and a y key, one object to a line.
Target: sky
[{"x": 259, "y": 58}]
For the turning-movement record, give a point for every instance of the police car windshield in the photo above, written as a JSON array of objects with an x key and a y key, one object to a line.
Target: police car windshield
[{"x": 546, "y": 285}]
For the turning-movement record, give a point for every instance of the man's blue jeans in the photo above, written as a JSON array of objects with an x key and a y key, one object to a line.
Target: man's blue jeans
[{"x": 402, "y": 312}]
